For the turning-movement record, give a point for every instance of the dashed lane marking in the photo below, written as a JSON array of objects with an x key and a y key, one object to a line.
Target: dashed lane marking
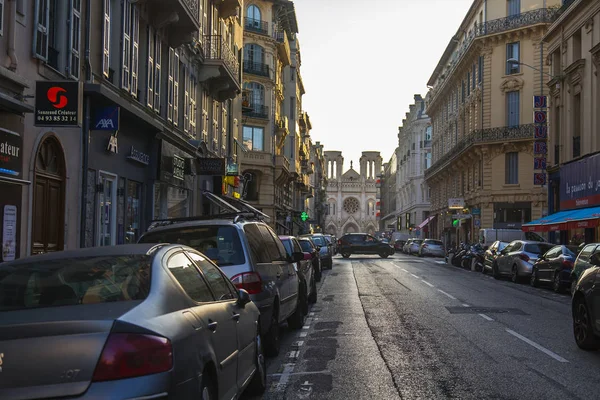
[
  {"x": 537, "y": 346},
  {"x": 465, "y": 305},
  {"x": 303, "y": 334},
  {"x": 427, "y": 283},
  {"x": 440, "y": 262},
  {"x": 302, "y": 373},
  {"x": 284, "y": 377},
  {"x": 306, "y": 327},
  {"x": 486, "y": 317},
  {"x": 415, "y": 276},
  {"x": 447, "y": 294}
]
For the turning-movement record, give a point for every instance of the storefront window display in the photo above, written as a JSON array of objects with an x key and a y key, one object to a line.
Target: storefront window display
[
  {"x": 171, "y": 201},
  {"x": 133, "y": 216}
]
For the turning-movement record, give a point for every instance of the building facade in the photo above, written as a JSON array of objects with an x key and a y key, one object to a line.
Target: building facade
[
  {"x": 574, "y": 126},
  {"x": 388, "y": 195},
  {"x": 481, "y": 106},
  {"x": 275, "y": 167},
  {"x": 351, "y": 195}
]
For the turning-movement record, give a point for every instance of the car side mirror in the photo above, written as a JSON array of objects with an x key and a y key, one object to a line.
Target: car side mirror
[
  {"x": 243, "y": 298},
  {"x": 297, "y": 256}
]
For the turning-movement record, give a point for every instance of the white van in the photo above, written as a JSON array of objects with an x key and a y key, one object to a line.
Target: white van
[{"x": 489, "y": 236}]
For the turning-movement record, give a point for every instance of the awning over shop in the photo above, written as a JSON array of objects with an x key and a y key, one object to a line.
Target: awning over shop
[
  {"x": 565, "y": 220},
  {"x": 422, "y": 224}
]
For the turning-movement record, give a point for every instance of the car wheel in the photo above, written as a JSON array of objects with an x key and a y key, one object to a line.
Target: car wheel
[
  {"x": 384, "y": 254},
  {"x": 556, "y": 283},
  {"x": 346, "y": 255},
  {"x": 534, "y": 278},
  {"x": 312, "y": 299},
  {"x": 582, "y": 327},
  {"x": 272, "y": 340},
  {"x": 514, "y": 276},
  {"x": 207, "y": 388},
  {"x": 258, "y": 384},
  {"x": 296, "y": 320}
]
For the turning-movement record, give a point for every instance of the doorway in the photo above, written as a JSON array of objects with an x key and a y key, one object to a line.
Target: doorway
[
  {"x": 107, "y": 209},
  {"x": 48, "y": 219}
]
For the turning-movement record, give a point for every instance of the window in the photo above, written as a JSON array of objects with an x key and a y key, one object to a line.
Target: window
[
  {"x": 73, "y": 64},
  {"x": 577, "y": 121},
  {"x": 427, "y": 160},
  {"x": 193, "y": 111},
  {"x": 150, "y": 67},
  {"x": 157, "y": 71},
  {"x": 480, "y": 71},
  {"x": 511, "y": 168},
  {"x": 106, "y": 40},
  {"x": 512, "y": 54},
  {"x": 173, "y": 87},
  {"x": 512, "y": 109},
  {"x": 513, "y": 7},
  {"x": 253, "y": 53},
  {"x": 474, "y": 76},
  {"x": 215, "y": 279},
  {"x": 253, "y": 13},
  {"x": 273, "y": 244},
  {"x": 186, "y": 100},
  {"x": 468, "y": 83},
  {"x": 189, "y": 278},
  {"x": 126, "y": 44},
  {"x": 1, "y": 17},
  {"x": 253, "y": 137}
]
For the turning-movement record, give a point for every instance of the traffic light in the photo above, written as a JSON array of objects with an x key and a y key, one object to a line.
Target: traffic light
[{"x": 304, "y": 216}]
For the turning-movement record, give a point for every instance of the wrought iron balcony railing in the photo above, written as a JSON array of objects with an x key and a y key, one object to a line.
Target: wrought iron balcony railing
[
  {"x": 256, "y": 25},
  {"x": 256, "y": 68},
  {"x": 259, "y": 111},
  {"x": 193, "y": 6},
  {"x": 216, "y": 48},
  {"x": 505, "y": 133}
]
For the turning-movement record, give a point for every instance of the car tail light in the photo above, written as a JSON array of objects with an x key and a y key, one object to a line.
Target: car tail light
[
  {"x": 524, "y": 257},
  {"x": 249, "y": 281},
  {"x": 127, "y": 355},
  {"x": 567, "y": 264}
]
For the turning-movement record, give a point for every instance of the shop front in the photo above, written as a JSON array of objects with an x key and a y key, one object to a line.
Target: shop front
[
  {"x": 121, "y": 173},
  {"x": 577, "y": 219}
]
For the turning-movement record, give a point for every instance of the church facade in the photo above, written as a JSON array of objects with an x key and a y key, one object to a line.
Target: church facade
[{"x": 352, "y": 195}]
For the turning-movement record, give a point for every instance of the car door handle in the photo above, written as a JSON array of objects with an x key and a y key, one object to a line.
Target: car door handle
[
  {"x": 212, "y": 326},
  {"x": 236, "y": 317}
]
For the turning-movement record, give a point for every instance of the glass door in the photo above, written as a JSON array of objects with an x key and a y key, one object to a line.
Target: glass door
[
  {"x": 107, "y": 209},
  {"x": 134, "y": 194}
]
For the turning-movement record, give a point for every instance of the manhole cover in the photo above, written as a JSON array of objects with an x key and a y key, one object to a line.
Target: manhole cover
[{"x": 485, "y": 310}]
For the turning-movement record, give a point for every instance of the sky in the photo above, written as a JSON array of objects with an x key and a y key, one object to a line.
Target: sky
[{"x": 362, "y": 63}]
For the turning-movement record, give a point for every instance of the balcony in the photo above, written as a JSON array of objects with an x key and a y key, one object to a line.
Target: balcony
[
  {"x": 227, "y": 8},
  {"x": 258, "y": 111},
  {"x": 256, "y": 26},
  {"x": 283, "y": 48},
  {"x": 256, "y": 68},
  {"x": 180, "y": 18},
  {"x": 247, "y": 102},
  {"x": 282, "y": 165},
  {"x": 282, "y": 126},
  {"x": 301, "y": 83},
  {"x": 221, "y": 69},
  {"x": 482, "y": 136}
]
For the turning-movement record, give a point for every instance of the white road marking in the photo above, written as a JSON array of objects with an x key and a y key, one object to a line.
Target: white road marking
[
  {"x": 403, "y": 270},
  {"x": 294, "y": 354},
  {"x": 302, "y": 373},
  {"x": 306, "y": 327},
  {"x": 465, "y": 305},
  {"x": 311, "y": 314},
  {"x": 537, "y": 346},
  {"x": 284, "y": 377},
  {"x": 415, "y": 276},
  {"x": 298, "y": 343},
  {"x": 446, "y": 294},
  {"x": 427, "y": 283},
  {"x": 303, "y": 334},
  {"x": 486, "y": 317},
  {"x": 440, "y": 262}
]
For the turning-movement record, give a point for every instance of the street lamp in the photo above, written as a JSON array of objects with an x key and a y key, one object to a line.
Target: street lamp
[{"x": 515, "y": 61}]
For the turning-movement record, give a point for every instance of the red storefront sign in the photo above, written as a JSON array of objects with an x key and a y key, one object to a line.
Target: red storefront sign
[{"x": 590, "y": 223}]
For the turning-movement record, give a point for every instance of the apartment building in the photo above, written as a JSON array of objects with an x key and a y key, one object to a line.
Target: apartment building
[
  {"x": 388, "y": 201},
  {"x": 481, "y": 106},
  {"x": 573, "y": 42},
  {"x": 275, "y": 165}
]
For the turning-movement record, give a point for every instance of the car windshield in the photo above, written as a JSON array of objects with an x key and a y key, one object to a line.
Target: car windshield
[
  {"x": 319, "y": 241},
  {"x": 306, "y": 246},
  {"x": 537, "y": 248},
  {"x": 434, "y": 242},
  {"x": 219, "y": 243},
  {"x": 72, "y": 281}
]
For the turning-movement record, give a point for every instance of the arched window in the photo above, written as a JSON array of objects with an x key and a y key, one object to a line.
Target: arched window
[
  {"x": 253, "y": 53},
  {"x": 258, "y": 93},
  {"x": 253, "y": 13}
]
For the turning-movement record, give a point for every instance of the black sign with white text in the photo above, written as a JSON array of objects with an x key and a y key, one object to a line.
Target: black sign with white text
[{"x": 57, "y": 103}]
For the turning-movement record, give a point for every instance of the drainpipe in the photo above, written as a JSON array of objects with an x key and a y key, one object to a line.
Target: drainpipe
[
  {"x": 86, "y": 126},
  {"x": 12, "y": 22}
]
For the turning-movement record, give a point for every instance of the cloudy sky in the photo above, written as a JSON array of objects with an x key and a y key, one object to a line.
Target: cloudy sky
[{"x": 362, "y": 63}]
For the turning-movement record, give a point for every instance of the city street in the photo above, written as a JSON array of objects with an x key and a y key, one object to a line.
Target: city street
[{"x": 406, "y": 327}]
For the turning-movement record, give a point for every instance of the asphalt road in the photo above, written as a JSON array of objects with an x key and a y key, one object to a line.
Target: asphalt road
[{"x": 413, "y": 328}]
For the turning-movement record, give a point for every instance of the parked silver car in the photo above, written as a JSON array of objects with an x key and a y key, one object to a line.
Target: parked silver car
[
  {"x": 517, "y": 259},
  {"x": 123, "y": 322},
  {"x": 432, "y": 248},
  {"x": 252, "y": 256}
]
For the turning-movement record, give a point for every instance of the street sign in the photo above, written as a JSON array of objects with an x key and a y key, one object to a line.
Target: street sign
[
  {"x": 541, "y": 132},
  {"x": 540, "y": 101},
  {"x": 539, "y": 163},
  {"x": 540, "y": 147},
  {"x": 540, "y": 117},
  {"x": 539, "y": 178}
]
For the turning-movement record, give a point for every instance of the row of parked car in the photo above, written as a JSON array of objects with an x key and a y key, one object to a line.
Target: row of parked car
[{"x": 188, "y": 312}]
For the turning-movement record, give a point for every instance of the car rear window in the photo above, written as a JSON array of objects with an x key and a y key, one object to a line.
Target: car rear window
[
  {"x": 219, "y": 243},
  {"x": 72, "y": 281},
  {"x": 435, "y": 242},
  {"x": 319, "y": 241},
  {"x": 287, "y": 243},
  {"x": 306, "y": 246},
  {"x": 537, "y": 248}
]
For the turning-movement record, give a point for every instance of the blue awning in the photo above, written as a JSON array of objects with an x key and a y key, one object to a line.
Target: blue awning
[{"x": 564, "y": 220}]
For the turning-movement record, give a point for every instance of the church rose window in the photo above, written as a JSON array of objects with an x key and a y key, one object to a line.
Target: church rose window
[{"x": 351, "y": 205}]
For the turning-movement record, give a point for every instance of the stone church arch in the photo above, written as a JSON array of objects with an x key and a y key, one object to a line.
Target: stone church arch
[
  {"x": 331, "y": 229},
  {"x": 351, "y": 228}
]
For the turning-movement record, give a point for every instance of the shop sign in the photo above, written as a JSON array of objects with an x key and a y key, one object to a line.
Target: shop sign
[
  {"x": 178, "y": 167},
  {"x": 233, "y": 169},
  {"x": 580, "y": 183},
  {"x": 138, "y": 156},
  {"x": 113, "y": 144},
  {"x": 540, "y": 101},
  {"x": 539, "y": 178},
  {"x": 211, "y": 166},
  {"x": 57, "y": 103},
  {"x": 476, "y": 211},
  {"x": 10, "y": 153},
  {"x": 9, "y": 233},
  {"x": 107, "y": 119},
  {"x": 457, "y": 203}
]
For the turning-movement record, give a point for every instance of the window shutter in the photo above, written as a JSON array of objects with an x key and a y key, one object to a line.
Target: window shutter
[
  {"x": 193, "y": 111},
  {"x": 1, "y": 17},
  {"x": 157, "y": 72},
  {"x": 73, "y": 63},
  {"x": 126, "y": 43},
  {"x": 40, "y": 37},
  {"x": 150, "y": 83},
  {"x": 135, "y": 49},
  {"x": 176, "y": 91},
  {"x": 170, "y": 84},
  {"x": 106, "y": 40},
  {"x": 186, "y": 100}
]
